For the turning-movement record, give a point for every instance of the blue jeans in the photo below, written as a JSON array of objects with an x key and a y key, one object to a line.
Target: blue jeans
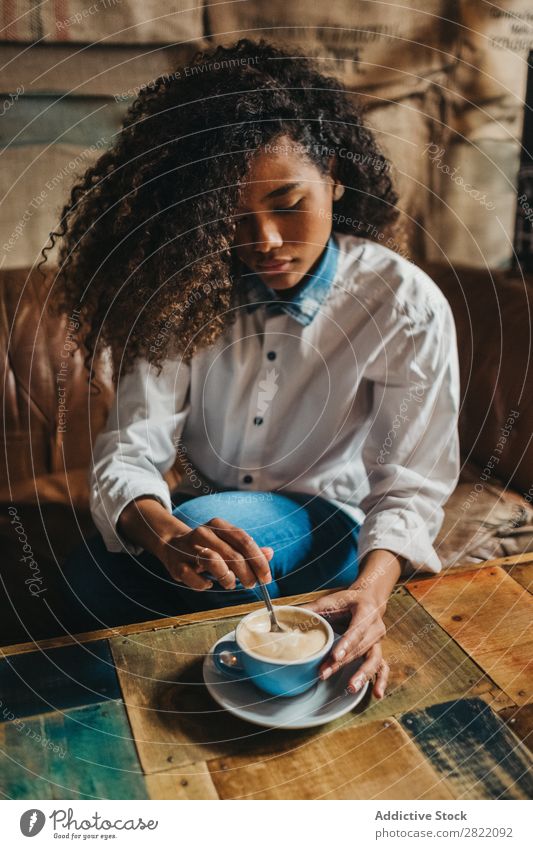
[{"x": 314, "y": 543}]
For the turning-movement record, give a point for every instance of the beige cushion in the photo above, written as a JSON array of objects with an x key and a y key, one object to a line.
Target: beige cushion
[{"x": 481, "y": 524}]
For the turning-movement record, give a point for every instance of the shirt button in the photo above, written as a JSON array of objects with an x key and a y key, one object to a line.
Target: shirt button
[
  {"x": 271, "y": 355},
  {"x": 258, "y": 420},
  {"x": 247, "y": 479}
]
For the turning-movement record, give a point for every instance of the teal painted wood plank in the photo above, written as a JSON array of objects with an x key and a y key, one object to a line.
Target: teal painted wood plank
[
  {"x": 84, "y": 753},
  {"x": 470, "y": 746},
  {"x": 57, "y": 679}
]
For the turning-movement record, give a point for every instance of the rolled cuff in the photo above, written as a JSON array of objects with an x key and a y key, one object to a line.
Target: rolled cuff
[{"x": 404, "y": 533}]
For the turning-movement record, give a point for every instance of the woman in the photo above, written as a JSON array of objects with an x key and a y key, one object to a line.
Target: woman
[{"x": 233, "y": 254}]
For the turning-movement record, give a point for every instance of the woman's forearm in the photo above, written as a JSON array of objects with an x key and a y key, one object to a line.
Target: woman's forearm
[
  {"x": 379, "y": 571},
  {"x": 145, "y": 522}
]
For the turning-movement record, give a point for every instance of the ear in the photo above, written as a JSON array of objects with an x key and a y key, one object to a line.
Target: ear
[{"x": 338, "y": 188}]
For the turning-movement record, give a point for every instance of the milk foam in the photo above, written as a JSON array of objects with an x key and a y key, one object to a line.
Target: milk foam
[{"x": 304, "y": 636}]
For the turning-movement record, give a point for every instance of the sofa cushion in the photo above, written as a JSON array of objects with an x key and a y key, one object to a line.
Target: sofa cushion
[{"x": 483, "y": 521}]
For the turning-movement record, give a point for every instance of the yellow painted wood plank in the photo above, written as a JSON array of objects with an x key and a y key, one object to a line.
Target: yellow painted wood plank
[
  {"x": 191, "y": 781},
  {"x": 523, "y": 573},
  {"x": 520, "y": 721},
  {"x": 491, "y": 617},
  {"x": 512, "y": 669},
  {"x": 373, "y": 761}
]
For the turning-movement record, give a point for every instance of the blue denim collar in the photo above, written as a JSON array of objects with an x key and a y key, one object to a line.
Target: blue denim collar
[{"x": 305, "y": 304}]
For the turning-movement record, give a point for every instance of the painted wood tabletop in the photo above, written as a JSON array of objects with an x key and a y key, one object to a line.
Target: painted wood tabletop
[{"x": 124, "y": 713}]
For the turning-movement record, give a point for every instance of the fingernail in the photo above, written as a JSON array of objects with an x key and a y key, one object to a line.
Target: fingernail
[
  {"x": 326, "y": 673},
  {"x": 340, "y": 654},
  {"x": 357, "y": 684}
]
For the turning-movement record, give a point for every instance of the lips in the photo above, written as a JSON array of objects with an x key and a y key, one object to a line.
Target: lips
[{"x": 274, "y": 265}]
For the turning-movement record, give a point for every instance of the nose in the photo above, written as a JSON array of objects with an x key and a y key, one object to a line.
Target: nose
[{"x": 266, "y": 234}]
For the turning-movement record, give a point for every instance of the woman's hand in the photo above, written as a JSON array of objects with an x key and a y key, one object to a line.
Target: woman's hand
[
  {"x": 223, "y": 550},
  {"x": 363, "y": 606},
  {"x": 361, "y": 639}
]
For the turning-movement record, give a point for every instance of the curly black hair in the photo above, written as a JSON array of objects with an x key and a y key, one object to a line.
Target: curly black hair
[{"x": 152, "y": 222}]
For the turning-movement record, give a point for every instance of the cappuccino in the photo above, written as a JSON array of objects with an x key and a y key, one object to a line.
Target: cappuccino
[{"x": 303, "y": 635}]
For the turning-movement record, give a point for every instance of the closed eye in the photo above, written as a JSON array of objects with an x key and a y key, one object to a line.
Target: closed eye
[{"x": 289, "y": 208}]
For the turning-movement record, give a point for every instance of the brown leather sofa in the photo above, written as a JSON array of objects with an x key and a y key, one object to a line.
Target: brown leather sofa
[{"x": 47, "y": 448}]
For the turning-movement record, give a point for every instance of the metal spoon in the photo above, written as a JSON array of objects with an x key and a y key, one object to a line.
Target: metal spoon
[{"x": 274, "y": 624}]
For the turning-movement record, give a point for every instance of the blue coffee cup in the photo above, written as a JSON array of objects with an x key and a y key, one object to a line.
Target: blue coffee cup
[{"x": 277, "y": 678}]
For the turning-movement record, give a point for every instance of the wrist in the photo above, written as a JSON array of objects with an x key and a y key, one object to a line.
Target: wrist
[
  {"x": 165, "y": 533},
  {"x": 379, "y": 571},
  {"x": 146, "y": 522}
]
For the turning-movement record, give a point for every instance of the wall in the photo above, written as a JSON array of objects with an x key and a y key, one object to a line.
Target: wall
[{"x": 443, "y": 82}]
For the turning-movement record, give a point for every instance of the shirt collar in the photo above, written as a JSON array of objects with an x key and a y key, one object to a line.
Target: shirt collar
[{"x": 305, "y": 303}]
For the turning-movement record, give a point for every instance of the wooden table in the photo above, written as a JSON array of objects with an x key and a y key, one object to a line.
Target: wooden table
[{"x": 124, "y": 713}]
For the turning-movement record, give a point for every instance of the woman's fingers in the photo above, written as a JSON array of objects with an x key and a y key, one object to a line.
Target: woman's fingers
[
  {"x": 209, "y": 560},
  {"x": 183, "y": 574},
  {"x": 359, "y": 638},
  {"x": 382, "y": 679},
  {"x": 205, "y": 551},
  {"x": 372, "y": 666},
  {"x": 255, "y": 564},
  {"x": 356, "y": 642},
  {"x": 336, "y": 604}
]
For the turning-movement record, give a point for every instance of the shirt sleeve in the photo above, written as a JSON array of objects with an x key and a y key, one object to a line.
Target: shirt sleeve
[
  {"x": 138, "y": 445},
  {"x": 411, "y": 454}
]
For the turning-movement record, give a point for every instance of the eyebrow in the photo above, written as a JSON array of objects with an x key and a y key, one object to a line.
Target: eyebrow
[{"x": 283, "y": 190}]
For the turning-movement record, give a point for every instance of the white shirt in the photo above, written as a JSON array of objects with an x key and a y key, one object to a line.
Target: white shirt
[{"x": 355, "y": 399}]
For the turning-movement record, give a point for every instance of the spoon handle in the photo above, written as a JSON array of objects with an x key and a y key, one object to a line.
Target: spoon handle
[{"x": 274, "y": 626}]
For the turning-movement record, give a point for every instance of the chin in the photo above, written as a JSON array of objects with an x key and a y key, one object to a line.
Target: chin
[{"x": 281, "y": 281}]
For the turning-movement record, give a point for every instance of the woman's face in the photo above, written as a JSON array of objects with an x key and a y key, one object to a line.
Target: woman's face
[{"x": 284, "y": 219}]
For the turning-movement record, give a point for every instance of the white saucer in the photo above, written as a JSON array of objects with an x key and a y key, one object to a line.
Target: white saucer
[{"x": 324, "y": 702}]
